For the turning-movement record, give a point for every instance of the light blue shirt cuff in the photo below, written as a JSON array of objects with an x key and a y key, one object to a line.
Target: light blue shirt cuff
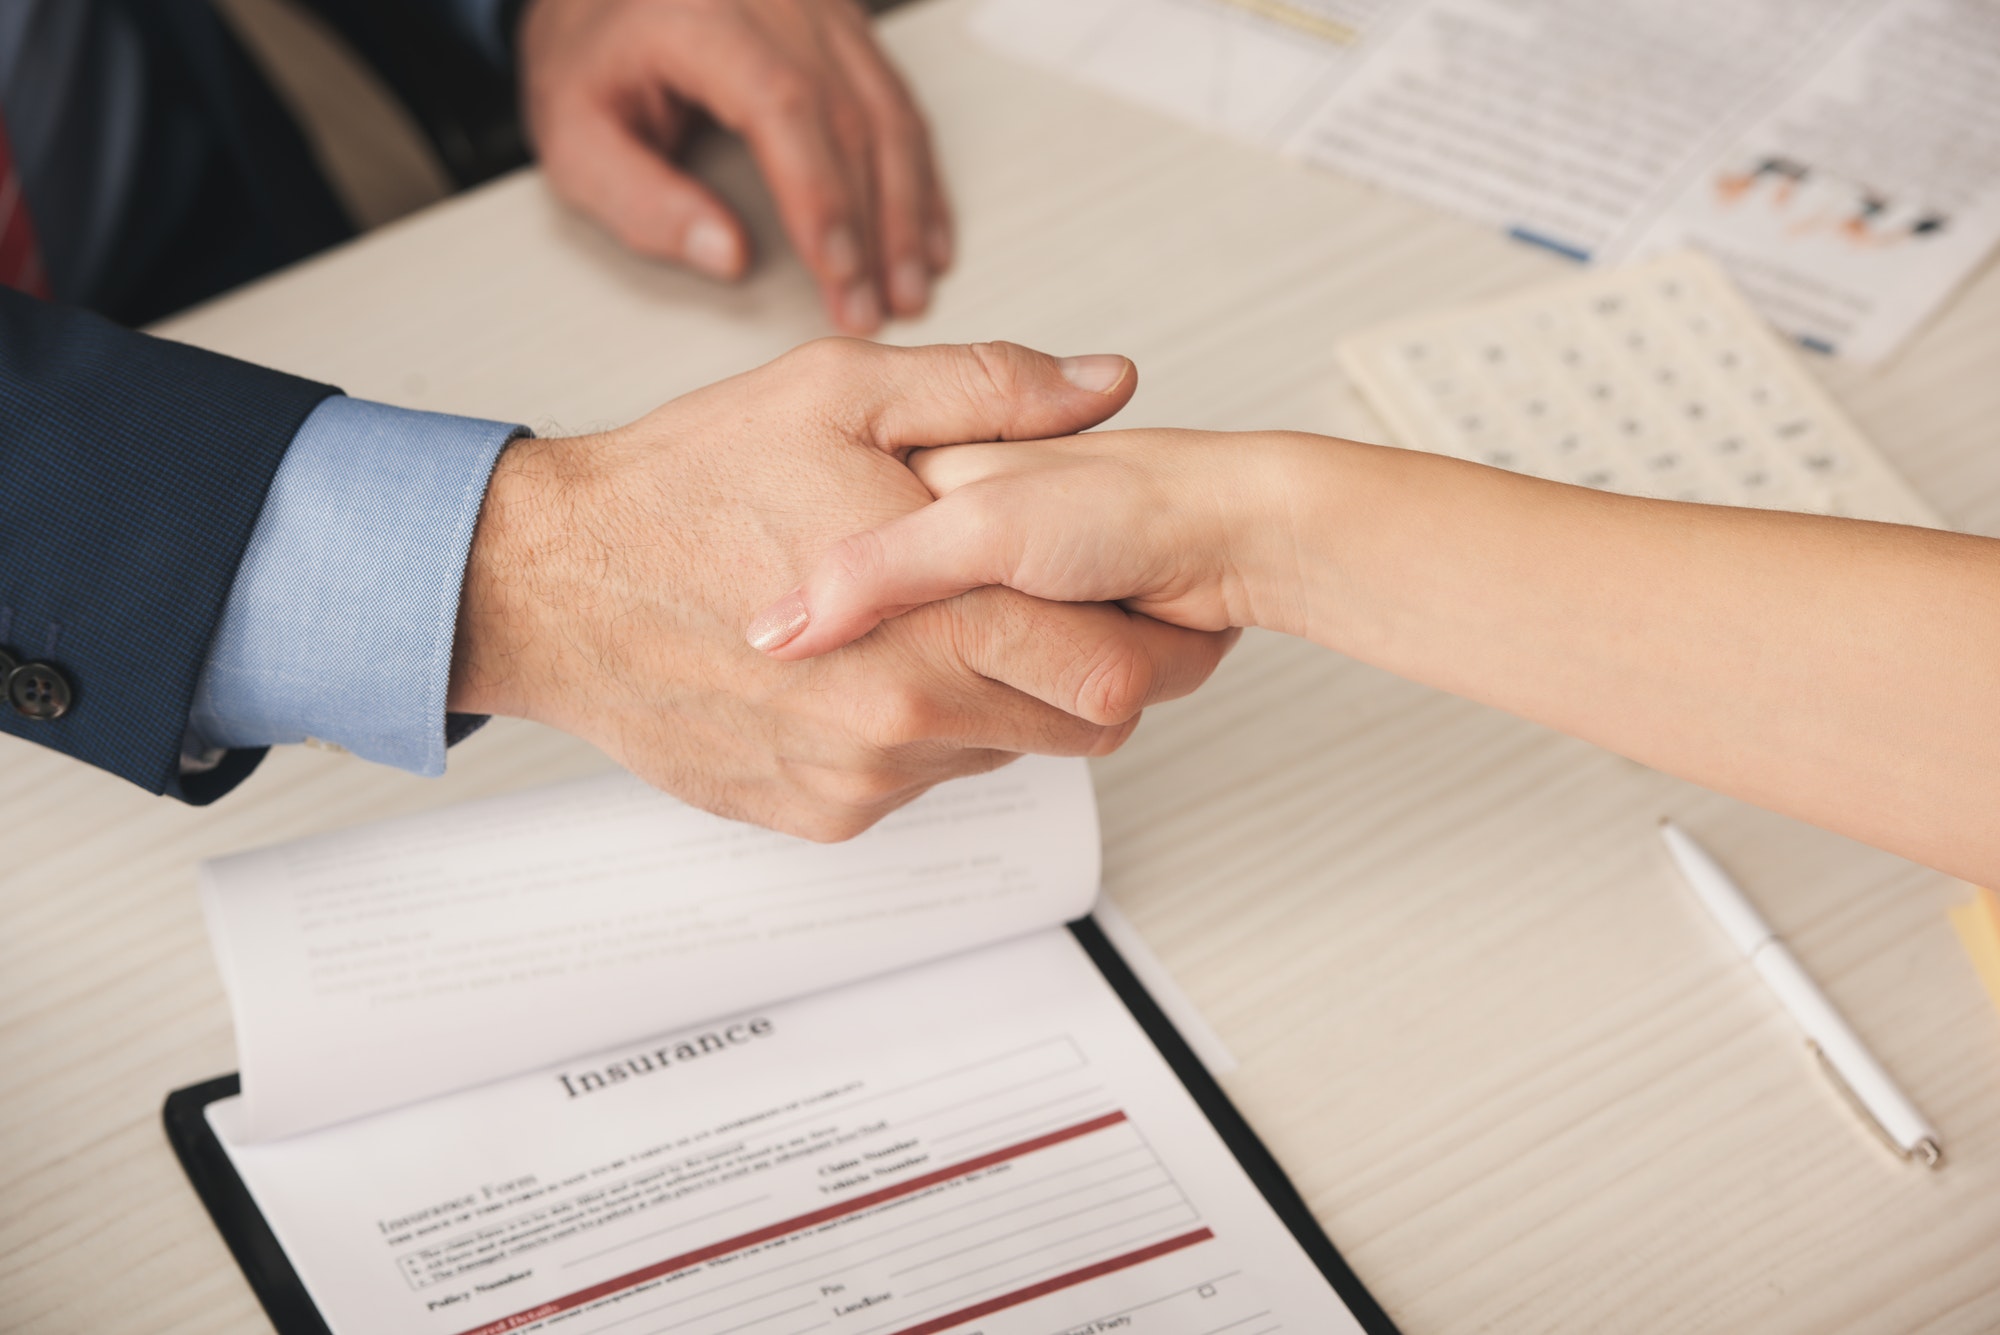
[{"x": 339, "y": 626}]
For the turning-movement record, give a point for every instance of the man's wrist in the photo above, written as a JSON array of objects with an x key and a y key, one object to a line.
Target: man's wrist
[{"x": 499, "y": 643}]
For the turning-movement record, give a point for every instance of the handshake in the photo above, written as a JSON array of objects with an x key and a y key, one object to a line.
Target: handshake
[
  {"x": 612, "y": 578},
  {"x": 970, "y": 579}
]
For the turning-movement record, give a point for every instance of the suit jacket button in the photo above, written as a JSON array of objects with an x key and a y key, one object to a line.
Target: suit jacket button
[{"x": 37, "y": 691}]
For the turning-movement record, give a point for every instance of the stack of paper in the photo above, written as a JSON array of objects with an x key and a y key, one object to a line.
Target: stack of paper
[{"x": 1841, "y": 158}]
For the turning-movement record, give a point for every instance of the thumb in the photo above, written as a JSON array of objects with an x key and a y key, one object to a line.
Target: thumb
[
  {"x": 601, "y": 165},
  {"x": 947, "y": 548},
  {"x": 956, "y": 394}
]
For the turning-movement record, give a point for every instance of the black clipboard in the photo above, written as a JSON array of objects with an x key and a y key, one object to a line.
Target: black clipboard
[{"x": 292, "y": 1311}]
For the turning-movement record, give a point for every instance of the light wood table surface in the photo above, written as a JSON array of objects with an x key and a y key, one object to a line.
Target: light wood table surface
[{"x": 1521, "y": 1079}]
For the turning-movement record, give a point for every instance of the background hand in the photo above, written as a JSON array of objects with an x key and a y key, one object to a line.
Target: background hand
[
  {"x": 611, "y": 576},
  {"x": 610, "y": 88},
  {"x": 1171, "y": 523}
]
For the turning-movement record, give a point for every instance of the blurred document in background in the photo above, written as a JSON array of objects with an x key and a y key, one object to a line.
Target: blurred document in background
[
  {"x": 1255, "y": 69},
  {"x": 1840, "y": 157},
  {"x": 1653, "y": 379},
  {"x": 1851, "y": 207}
]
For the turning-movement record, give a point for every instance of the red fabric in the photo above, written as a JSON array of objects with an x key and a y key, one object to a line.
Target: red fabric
[{"x": 20, "y": 255}]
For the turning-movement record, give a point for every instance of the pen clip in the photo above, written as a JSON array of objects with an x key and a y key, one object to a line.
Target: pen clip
[{"x": 1926, "y": 1149}]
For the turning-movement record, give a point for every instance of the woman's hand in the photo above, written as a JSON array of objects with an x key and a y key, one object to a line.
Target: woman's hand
[
  {"x": 1843, "y": 672},
  {"x": 1189, "y": 527}
]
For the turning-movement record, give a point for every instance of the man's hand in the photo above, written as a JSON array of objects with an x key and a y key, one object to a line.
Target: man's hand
[
  {"x": 609, "y": 88},
  {"x": 611, "y": 577}
]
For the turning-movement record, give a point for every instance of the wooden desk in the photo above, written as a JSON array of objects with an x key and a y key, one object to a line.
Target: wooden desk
[{"x": 1522, "y": 1081}]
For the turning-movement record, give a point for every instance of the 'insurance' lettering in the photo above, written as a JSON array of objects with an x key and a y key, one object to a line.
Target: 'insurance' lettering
[{"x": 679, "y": 1052}]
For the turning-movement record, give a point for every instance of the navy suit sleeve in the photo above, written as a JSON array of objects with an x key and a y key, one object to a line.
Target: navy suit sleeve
[{"x": 132, "y": 470}]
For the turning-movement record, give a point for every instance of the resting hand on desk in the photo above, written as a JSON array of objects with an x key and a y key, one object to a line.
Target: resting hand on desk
[
  {"x": 610, "y": 87},
  {"x": 610, "y": 575},
  {"x": 1844, "y": 672}
]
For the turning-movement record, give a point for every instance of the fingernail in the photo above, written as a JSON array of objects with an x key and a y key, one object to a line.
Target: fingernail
[
  {"x": 842, "y": 254},
  {"x": 779, "y": 624},
  {"x": 1100, "y": 373},
  {"x": 909, "y": 286},
  {"x": 711, "y": 248},
  {"x": 859, "y": 309},
  {"x": 939, "y": 245}
]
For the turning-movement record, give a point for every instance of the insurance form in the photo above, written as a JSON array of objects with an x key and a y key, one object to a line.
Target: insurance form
[{"x": 988, "y": 1143}]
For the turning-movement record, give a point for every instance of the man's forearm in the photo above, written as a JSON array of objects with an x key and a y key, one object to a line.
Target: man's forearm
[{"x": 1843, "y": 672}]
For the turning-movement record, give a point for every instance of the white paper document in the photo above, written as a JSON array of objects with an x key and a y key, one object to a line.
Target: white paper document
[
  {"x": 588, "y": 1060},
  {"x": 1841, "y": 158},
  {"x": 375, "y": 967},
  {"x": 1560, "y": 118},
  {"x": 987, "y": 1145},
  {"x": 1250, "y": 68},
  {"x": 1851, "y": 209}
]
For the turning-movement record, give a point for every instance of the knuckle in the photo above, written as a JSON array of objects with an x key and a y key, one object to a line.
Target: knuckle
[
  {"x": 973, "y": 625},
  {"x": 985, "y": 519},
  {"x": 898, "y": 716},
  {"x": 898, "y": 121},
  {"x": 989, "y": 373},
  {"x": 848, "y": 123},
  {"x": 859, "y": 790},
  {"x": 852, "y": 562},
  {"x": 830, "y": 827},
  {"x": 901, "y": 130},
  {"x": 789, "y": 93},
  {"x": 1116, "y": 683},
  {"x": 831, "y": 359},
  {"x": 997, "y": 364}
]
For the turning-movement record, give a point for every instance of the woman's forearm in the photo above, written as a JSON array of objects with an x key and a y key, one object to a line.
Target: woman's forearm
[{"x": 1843, "y": 672}]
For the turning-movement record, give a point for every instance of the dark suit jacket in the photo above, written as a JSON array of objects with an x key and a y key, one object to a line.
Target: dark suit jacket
[
  {"x": 131, "y": 473},
  {"x": 132, "y": 469}
]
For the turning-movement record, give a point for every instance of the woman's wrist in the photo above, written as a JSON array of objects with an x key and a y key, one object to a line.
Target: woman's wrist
[{"x": 1292, "y": 495}]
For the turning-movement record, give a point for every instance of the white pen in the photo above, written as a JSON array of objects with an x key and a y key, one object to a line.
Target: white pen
[{"x": 1851, "y": 1065}]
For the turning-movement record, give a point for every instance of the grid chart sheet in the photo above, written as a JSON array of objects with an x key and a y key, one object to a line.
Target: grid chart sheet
[{"x": 1654, "y": 380}]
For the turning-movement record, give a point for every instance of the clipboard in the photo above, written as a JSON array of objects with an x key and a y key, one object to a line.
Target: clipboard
[{"x": 292, "y": 1311}]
